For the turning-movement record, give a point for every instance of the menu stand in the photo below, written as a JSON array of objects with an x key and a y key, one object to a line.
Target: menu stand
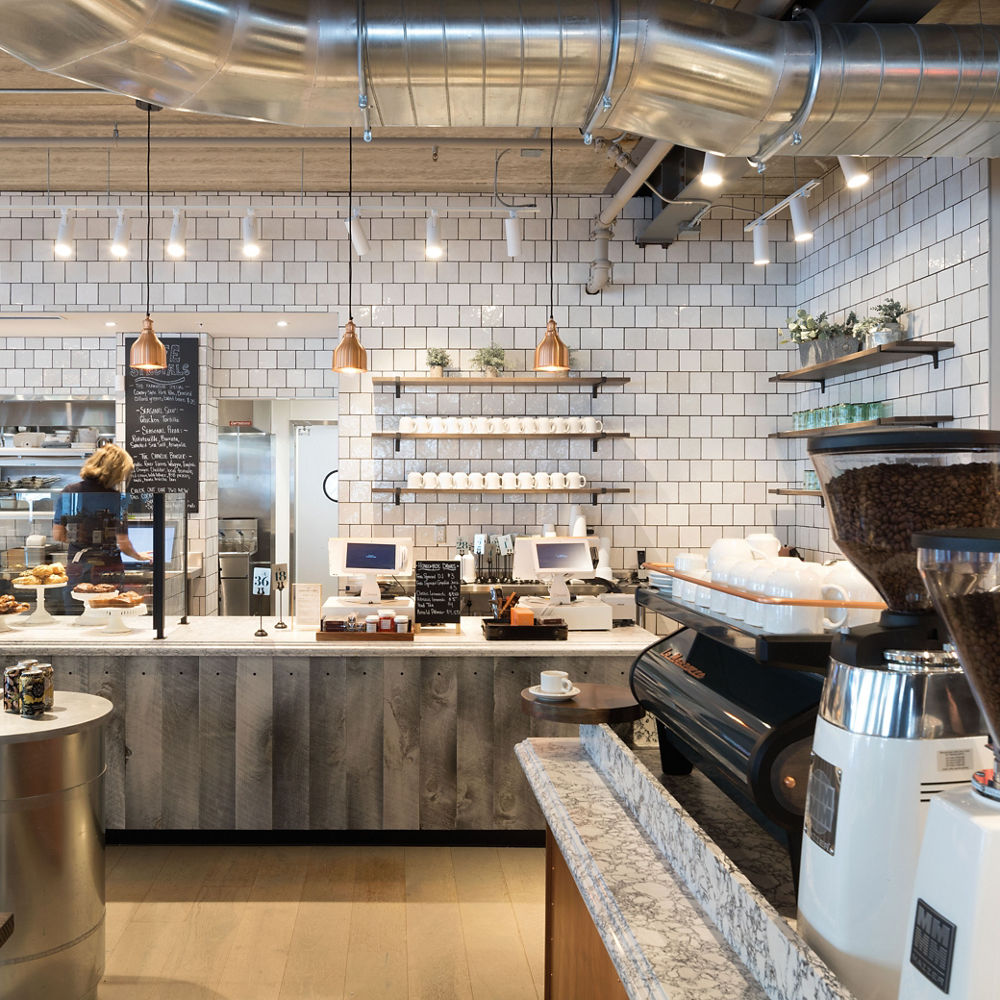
[{"x": 280, "y": 578}]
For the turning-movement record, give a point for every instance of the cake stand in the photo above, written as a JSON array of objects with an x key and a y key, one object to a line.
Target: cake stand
[
  {"x": 90, "y": 615},
  {"x": 115, "y": 624},
  {"x": 4, "y": 624},
  {"x": 39, "y": 616}
]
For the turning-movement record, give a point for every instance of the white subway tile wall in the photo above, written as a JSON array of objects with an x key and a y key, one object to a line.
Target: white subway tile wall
[{"x": 694, "y": 326}]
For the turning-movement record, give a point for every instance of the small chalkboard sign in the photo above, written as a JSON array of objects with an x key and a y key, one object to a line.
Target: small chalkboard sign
[{"x": 437, "y": 592}]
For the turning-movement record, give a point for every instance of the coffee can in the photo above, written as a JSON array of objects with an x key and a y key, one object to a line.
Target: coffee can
[
  {"x": 11, "y": 691},
  {"x": 31, "y": 684},
  {"x": 50, "y": 691}
]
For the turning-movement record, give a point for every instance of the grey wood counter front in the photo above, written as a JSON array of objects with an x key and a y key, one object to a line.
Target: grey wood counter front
[{"x": 214, "y": 729}]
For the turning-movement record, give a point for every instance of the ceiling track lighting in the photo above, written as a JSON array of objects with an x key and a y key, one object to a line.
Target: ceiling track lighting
[
  {"x": 761, "y": 246},
  {"x": 512, "y": 231},
  {"x": 349, "y": 357},
  {"x": 251, "y": 240},
  {"x": 148, "y": 352},
  {"x": 801, "y": 226},
  {"x": 711, "y": 171},
  {"x": 433, "y": 248},
  {"x": 356, "y": 230},
  {"x": 855, "y": 175},
  {"x": 63, "y": 246},
  {"x": 177, "y": 244},
  {"x": 552, "y": 355},
  {"x": 796, "y": 204},
  {"x": 120, "y": 239}
]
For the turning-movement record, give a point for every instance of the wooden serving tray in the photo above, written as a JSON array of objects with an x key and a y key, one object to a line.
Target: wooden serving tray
[{"x": 365, "y": 636}]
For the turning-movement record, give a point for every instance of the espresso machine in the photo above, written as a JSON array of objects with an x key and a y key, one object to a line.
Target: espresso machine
[
  {"x": 951, "y": 923},
  {"x": 898, "y": 723}
]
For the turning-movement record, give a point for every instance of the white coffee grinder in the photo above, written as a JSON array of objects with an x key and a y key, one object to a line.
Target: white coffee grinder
[
  {"x": 952, "y": 922},
  {"x": 898, "y": 723}
]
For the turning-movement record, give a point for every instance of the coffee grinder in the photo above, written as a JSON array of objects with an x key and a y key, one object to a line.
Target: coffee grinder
[
  {"x": 898, "y": 723},
  {"x": 951, "y": 925}
]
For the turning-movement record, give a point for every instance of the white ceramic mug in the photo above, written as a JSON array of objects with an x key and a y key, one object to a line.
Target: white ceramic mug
[
  {"x": 756, "y": 581},
  {"x": 467, "y": 426},
  {"x": 529, "y": 425},
  {"x": 492, "y": 480},
  {"x": 575, "y": 481},
  {"x": 691, "y": 564},
  {"x": 407, "y": 425},
  {"x": 555, "y": 682},
  {"x": 446, "y": 481},
  {"x": 574, "y": 425},
  {"x": 497, "y": 425},
  {"x": 420, "y": 425},
  {"x": 558, "y": 481},
  {"x": 764, "y": 545},
  {"x": 591, "y": 425},
  {"x": 476, "y": 481},
  {"x": 430, "y": 480},
  {"x": 452, "y": 425},
  {"x": 855, "y": 585},
  {"x": 415, "y": 480},
  {"x": 558, "y": 425},
  {"x": 543, "y": 425},
  {"x": 736, "y": 607},
  {"x": 461, "y": 480},
  {"x": 482, "y": 425},
  {"x": 436, "y": 425},
  {"x": 508, "y": 481},
  {"x": 800, "y": 583},
  {"x": 526, "y": 480},
  {"x": 512, "y": 425},
  {"x": 728, "y": 550},
  {"x": 542, "y": 481}
]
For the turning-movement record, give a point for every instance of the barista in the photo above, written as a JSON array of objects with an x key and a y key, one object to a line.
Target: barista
[{"x": 90, "y": 517}]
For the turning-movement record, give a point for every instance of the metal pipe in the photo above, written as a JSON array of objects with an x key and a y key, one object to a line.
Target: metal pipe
[
  {"x": 652, "y": 159},
  {"x": 600, "y": 270},
  {"x": 85, "y": 141}
]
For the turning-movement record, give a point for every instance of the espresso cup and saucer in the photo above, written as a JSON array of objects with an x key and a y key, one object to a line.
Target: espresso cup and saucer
[{"x": 554, "y": 685}]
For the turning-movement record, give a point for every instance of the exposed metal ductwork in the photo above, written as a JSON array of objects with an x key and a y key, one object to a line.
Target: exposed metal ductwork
[{"x": 678, "y": 70}]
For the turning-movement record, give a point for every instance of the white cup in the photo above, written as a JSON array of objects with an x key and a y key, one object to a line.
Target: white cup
[
  {"x": 529, "y": 425},
  {"x": 526, "y": 480},
  {"x": 420, "y": 425},
  {"x": 691, "y": 564},
  {"x": 856, "y": 587},
  {"x": 476, "y": 481},
  {"x": 461, "y": 480},
  {"x": 436, "y": 425},
  {"x": 492, "y": 480},
  {"x": 430, "y": 480},
  {"x": 558, "y": 481},
  {"x": 498, "y": 425},
  {"x": 542, "y": 481},
  {"x": 415, "y": 480},
  {"x": 756, "y": 581},
  {"x": 555, "y": 682},
  {"x": 512, "y": 425},
  {"x": 800, "y": 583},
  {"x": 467, "y": 426},
  {"x": 739, "y": 578},
  {"x": 508, "y": 481},
  {"x": 407, "y": 425},
  {"x": 764, "y": 545},
  {"x": 719, "y": 602},
  {"x": 558, "y": 425},
  {"x": 482, "y": 425},
  {"x": 548, "y": 531},
  {"x": 543, "y": 425},
  {"x": 728, "y": 550},
  {"x": 574, "y": 425},
  {"x": 446, "y": 481},
  {"x": 452, "y": 425},
  {"x": 575, "y": 481},
  {"x": 591, "y": 425}
]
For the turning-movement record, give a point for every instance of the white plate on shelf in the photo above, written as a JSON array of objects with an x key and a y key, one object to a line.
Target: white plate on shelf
[{"x": 550, "y": 696}]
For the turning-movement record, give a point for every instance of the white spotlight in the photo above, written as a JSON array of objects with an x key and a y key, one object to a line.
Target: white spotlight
[
  {"x": 512, "y": 229},
  {"x": 434, "y": 250},
  {"x": 711, "y": 174},
  {"x": 251, "y": 243},
  {"x": 855, "y": 174},
  {"x": 119, "y": 242},
  {"x": 176, "y": 246},
  {"x": 63, "y": 246},
  {"x": 356, "y": 230},
  {"x": 761, "y": 247},
  {"x": 800, "y": 219}
]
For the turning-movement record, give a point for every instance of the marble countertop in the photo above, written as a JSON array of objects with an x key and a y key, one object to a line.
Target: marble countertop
[
  {"x": 215, "y": 635},
  {"x": 72, "y": 712}
]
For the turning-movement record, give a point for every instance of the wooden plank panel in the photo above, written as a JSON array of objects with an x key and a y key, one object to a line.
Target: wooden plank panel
[
  {"x": 217, "y": 742},
  {"x": 439, "y": 742},
  {"x": 474, "y": 744},
  {"x": 181, "y": 765},
  {"x": 524, "y": 874},
  {"x": 144, "y": 744},
  {"x": 401, "y": 743},
  {"x": 514, "y": 806},
  {"x": 327, "y": 743},
  {"x": 108, "y": 679},
  {"x": 254, "y": 717},
  {"x": 363, "y": 729},
  {"x": 290, "y": 699}
]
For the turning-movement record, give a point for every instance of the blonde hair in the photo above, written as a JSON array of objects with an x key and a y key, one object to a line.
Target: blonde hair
[{"x": 110, "y": 465}]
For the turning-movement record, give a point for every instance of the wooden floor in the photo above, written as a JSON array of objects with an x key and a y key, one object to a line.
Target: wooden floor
[{"x": 290, "y": 923}]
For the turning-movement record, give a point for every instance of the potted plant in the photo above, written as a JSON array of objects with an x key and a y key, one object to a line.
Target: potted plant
[
  {"x": 885, "y": 327},
  {"x": 818, "y": 339},
  {"x": 489, "y": 360},
  {"x": 437, "y": 360}
]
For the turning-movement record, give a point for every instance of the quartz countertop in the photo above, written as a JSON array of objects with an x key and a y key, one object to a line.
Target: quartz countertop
[
  {"x": 72, "y": 712},
  {"x": 215, "y": 635}
]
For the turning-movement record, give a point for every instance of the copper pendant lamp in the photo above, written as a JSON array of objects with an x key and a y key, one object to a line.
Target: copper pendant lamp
[
  {"x": 148, "y": 353},
  {"x": 551, "y": 355},
  {"x": 350, "y": 358}
]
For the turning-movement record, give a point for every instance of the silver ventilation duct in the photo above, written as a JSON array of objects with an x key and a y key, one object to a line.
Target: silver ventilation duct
[{"x": 677, "y": 70}]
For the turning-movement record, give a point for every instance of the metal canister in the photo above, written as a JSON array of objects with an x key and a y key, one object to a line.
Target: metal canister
[
  {"x": 50, "y": 691},
  {"x": 11, "y": 690},
  {"x": 31, "y": 685}
]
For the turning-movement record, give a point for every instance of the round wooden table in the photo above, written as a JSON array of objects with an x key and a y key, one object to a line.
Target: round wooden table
[{"x": 596, "y": 703}]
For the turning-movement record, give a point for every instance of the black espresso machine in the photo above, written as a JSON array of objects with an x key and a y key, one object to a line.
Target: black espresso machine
[{"x": 739, "y": 705}]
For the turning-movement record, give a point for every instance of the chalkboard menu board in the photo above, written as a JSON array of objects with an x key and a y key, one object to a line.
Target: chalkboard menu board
[
  {"x": 437, "y": 594},
  {"x": 161, "y": 423}
]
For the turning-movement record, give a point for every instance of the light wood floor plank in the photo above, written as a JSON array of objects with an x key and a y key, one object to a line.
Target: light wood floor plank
[{"x": 524, "y": 873}]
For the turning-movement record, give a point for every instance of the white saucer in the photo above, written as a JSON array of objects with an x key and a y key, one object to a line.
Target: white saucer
[{"x": 548, "y": 696}]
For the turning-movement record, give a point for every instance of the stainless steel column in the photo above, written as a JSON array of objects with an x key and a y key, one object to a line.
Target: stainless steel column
[{"x": 52, "y": 850}]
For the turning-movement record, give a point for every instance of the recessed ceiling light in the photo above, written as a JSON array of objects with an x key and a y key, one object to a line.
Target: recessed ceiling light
[{"x": 282, "y": 322}]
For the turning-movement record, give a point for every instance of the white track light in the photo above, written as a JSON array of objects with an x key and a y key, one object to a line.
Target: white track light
[
  {"x": 855, "y": 175},
  {"x": 800, "y": 219},
  {"x": 761, "y": 247},
  {"x": 176, "y": 245},
  {"x": 711, "y": 174},
  {"x": 120, "y": 240},
  {"x": 512, "y": 229},
  {"x": 356, "y": 230},
  {"x": 251, "y": 242},
  {"x": 63, "y": 246},
  {"x": 434, "y": 250}
]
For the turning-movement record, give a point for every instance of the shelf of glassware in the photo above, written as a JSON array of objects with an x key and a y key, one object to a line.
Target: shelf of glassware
[
  {"x": 861, "y": 425},
  {"x": 593, "y": 491},
  {"x": 593, "y": 382}
]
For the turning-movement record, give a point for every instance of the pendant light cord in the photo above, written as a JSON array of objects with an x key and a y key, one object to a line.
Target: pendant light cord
[
  {"x": 149, "y": 216},
  {"x": 350, "y": 222},
  {"x": 552, "y": 223}
]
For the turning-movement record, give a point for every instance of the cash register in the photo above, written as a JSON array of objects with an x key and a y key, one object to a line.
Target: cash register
[{"x": 369, "y": 558}]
